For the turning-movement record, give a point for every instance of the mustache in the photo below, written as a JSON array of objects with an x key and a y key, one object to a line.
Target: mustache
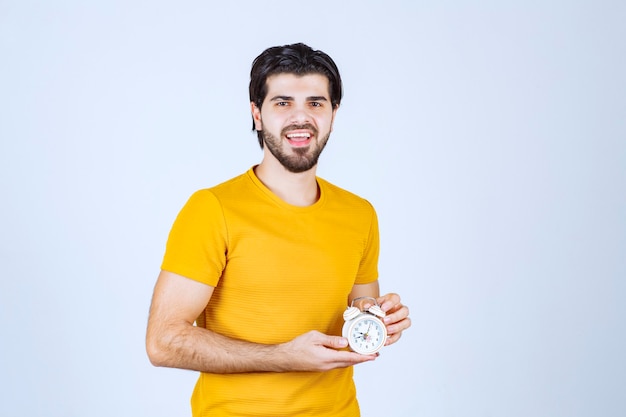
[{"x": 305, "y": 126}]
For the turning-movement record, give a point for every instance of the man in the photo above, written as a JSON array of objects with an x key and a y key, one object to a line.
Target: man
[{"x": 266, "y": 263}]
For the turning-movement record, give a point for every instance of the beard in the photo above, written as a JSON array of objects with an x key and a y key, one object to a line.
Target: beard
[{"x": 298, "y": 159}]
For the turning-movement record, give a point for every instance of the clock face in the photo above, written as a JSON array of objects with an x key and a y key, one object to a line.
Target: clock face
[{"x": 367, "y": 335}]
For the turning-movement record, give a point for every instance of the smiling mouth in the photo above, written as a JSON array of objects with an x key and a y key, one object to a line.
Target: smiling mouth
[{"x": 298, "y": 138}]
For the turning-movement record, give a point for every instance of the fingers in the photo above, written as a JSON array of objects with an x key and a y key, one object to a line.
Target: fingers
[
  {"x": 315, "y": 351},
  {"x": 388, "y": 301},
  {"x": 397, "y": 316},
  {"x": 394, "y": 331}
]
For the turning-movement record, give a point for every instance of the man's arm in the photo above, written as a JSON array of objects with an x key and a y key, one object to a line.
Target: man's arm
[
  {"x": 364, "y": 290},
  {"x": 173, "y": 341}
]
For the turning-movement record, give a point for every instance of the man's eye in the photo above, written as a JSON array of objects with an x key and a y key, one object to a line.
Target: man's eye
[
  {"x": 316, "y": 104},
  {"x": 282, "y": 103}
]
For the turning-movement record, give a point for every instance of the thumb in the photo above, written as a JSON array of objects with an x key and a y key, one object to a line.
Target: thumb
[{"x": 336, "y": 342}]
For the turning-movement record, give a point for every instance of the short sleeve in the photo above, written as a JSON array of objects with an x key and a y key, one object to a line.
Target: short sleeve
[
  {"x": 368, "y": 268},
  {"x": 197, "y": 244}
]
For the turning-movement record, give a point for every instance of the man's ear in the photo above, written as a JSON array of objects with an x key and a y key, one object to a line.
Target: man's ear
[
  {"x": 332, "y": 120},
  {"x": 256, "y": 116}
]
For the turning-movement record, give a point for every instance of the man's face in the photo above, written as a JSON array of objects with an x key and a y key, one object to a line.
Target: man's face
[{"x": 296, "y": 119}]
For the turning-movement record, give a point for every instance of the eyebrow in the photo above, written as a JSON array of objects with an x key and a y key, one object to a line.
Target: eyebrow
[
  {"x": 316, "y": 98},
  {"x": 290, "y": 98}
]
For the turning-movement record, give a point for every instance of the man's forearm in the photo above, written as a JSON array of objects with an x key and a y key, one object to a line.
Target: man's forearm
[{"x": 189, "y": 347}]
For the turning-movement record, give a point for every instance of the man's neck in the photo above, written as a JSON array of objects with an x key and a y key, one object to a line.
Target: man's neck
[{"x": 297, "y": 189}]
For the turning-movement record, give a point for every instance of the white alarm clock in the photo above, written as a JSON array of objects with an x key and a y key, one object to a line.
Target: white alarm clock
[{"x": 364, "y": 329}]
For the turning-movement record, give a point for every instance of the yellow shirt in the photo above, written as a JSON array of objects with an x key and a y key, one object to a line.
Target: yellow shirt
[{"x": 278, "y": 272}]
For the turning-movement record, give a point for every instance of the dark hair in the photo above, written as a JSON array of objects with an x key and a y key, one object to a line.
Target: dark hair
[{"x": 298, "y": 59}]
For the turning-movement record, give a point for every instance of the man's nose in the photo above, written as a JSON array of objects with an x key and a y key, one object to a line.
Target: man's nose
[{"x": 300, "y": 115}]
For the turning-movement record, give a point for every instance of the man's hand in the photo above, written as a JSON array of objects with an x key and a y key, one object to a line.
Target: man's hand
[
  {"x": 397, "y": 316},
  {"x": 315, "y": 351}
]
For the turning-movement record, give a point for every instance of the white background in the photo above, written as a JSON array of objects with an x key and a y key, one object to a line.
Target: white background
[{"x": 491, "y": 137}]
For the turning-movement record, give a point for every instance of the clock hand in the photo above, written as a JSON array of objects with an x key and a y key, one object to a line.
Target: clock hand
[
  {"x": 361, "y": 335},
  {"x": 365, "y": 335}
]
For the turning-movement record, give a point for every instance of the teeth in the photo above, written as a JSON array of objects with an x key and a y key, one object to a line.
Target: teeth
[{"x": 298, "y": 135}]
